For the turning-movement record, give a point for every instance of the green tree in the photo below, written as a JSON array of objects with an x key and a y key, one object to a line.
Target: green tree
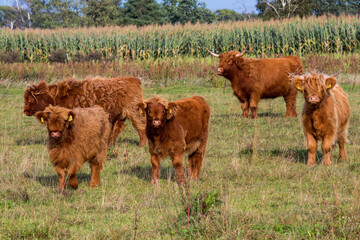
[
  {"x": 41, "y": 14},
  {"x": 55, "y": 13},
  {"x": 228, "y": 15},
  {"x": 142, "y": 12},
  {"x": 184, "y": 11},
  {"x": 336, "y": 7},
  {"x": 8, "y": 17},
  {"x": 102, "y": 12},
  {"x": 279, "y": 9},
  {"x": 13, "y": 17}
]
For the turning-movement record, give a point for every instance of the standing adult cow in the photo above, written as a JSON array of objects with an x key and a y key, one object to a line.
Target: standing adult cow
[
  {"x": 253, "y": 79},
  {"x": 117, "y": 96}
]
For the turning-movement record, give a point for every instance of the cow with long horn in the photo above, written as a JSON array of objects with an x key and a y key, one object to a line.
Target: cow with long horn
[{"x": 254, "y": 79}]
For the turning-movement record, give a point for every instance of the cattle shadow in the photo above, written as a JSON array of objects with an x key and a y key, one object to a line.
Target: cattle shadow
[
  {"x": 128, "y": 140},
  {"x": 227, "y": 115},
  {"x": 239, "y": 115},
  {"x": 53, "y": 180},
  {"x": 296, "y": 155},
  {"x": 144, "y": 172},
  {"x": 30, "y": 141},
  {"x": 269, "y": 114}
]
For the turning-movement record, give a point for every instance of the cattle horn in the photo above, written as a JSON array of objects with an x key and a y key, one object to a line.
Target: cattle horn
[
  {"x": 31, "y": 88},
  {"x": 243, "y": 52},
  {"x": 214, "y": 54},
  {"x": 334, "y": 75}
]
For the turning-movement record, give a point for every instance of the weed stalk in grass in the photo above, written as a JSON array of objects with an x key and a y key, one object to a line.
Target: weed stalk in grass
[
  {"x": 135, "y": 224},
  {"x": 255, "y": 141},
  {"x": 184, "y": 190}
]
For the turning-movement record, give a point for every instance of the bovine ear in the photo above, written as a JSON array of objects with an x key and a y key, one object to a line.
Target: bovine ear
[
  {"x": 171, "y": 110},
  {"x": 41, "y": 85},
  {"x": 330, "y": 83},
  {"x": 239, "y": 61},
  {"x": 297, "y": 83},
  {"x": 63, "y": 89},
  {"x": 142, "y": 108},
  {"x": 40, "y": 116},
  {"x": 71, "y": 116}
]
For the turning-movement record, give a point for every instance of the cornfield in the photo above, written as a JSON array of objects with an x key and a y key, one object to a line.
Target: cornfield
[{"x": 295, "y": 36}]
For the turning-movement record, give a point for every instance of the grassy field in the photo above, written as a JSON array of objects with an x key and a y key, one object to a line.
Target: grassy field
[{"x": 254, "y": 183}]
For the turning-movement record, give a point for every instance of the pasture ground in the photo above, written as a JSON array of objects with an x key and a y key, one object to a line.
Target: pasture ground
[{"x": 254, "y": 183}]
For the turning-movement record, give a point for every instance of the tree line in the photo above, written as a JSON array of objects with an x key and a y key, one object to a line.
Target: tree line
[{"x": 87, "y": 13}]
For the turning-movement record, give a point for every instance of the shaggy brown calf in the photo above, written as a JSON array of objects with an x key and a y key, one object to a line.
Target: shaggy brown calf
[
  {"x": 118, "y": 97},
  {"x": 254, "y": 79},
  {"x": 76, "y": 136},
  {"x": 325, "y": 115},
  {"x": 174, "y": 129}
]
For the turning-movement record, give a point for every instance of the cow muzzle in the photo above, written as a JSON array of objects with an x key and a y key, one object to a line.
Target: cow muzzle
[
  {"x": 55, "y": 134},
  {"x": 156, "y": 123},
  {"x": 27, "y": 113},
  {"x": 220, "y": 71},
  {"x": 314, "y": 99}
]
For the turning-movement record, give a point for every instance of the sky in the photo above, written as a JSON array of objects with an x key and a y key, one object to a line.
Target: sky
[{"x": 236, "y": 5}]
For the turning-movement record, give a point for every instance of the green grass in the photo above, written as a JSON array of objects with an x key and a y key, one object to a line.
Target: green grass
[{"x": 257, "y": 167}]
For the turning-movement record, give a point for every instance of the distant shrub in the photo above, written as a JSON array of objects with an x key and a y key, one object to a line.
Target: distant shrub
[
  {"x": 111, "y": 58},
  {"x": 2, "y": 57},
  {"x": 78, "y": 57},
  {"x": 94, "y": 56},
  {"x": 10, "y": 57},
  {"x": 57, "y": 56}
]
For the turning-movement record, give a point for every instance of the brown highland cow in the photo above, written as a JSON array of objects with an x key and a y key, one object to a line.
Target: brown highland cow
[
  {"x": 325, "y": 115},
  {"x": 254, "y": 79},
  {"x": 76, "y": 136},
  {"x": 175, "y": 129},
  {"x": 118, "y": 97}
]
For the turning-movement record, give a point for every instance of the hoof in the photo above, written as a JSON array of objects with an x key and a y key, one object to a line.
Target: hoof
[
  {"x": 291, "y": 115},
  {"x": 94, "y": 184},
  {"x": 143, "y": 143},
  {"x": 75, "y": 186},
  {"x": 154, "y": 181}
]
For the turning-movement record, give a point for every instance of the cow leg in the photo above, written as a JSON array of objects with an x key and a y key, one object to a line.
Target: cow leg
[
  {"x": 116, "y": 128},
  {"x": 326, "y": 148},
  {"x": 139, "y": 124},
  {"x": 311, "y": 143},
  {"x": 245, "y": 108},
  {"x": 95, "y": 174},
  {"x": 290, "y": 100},
  {"x": 244, "y": 104},
  {"x": 341, "y": 142},
  {"x": 73, "y": 182},
  {"x": 196, "y": 158},
  {"x": 254, "y": 100},
  {"x": 195, "y": 161},
  {"x": 179, "y": 171},
  {"x": 61, "y": 173},
  {"x": 155, "y": 162},
  {"x": 96, "y": 165}
]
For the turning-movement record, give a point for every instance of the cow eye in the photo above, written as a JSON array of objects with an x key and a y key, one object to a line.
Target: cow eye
[{"x": 163, "y": 111}]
